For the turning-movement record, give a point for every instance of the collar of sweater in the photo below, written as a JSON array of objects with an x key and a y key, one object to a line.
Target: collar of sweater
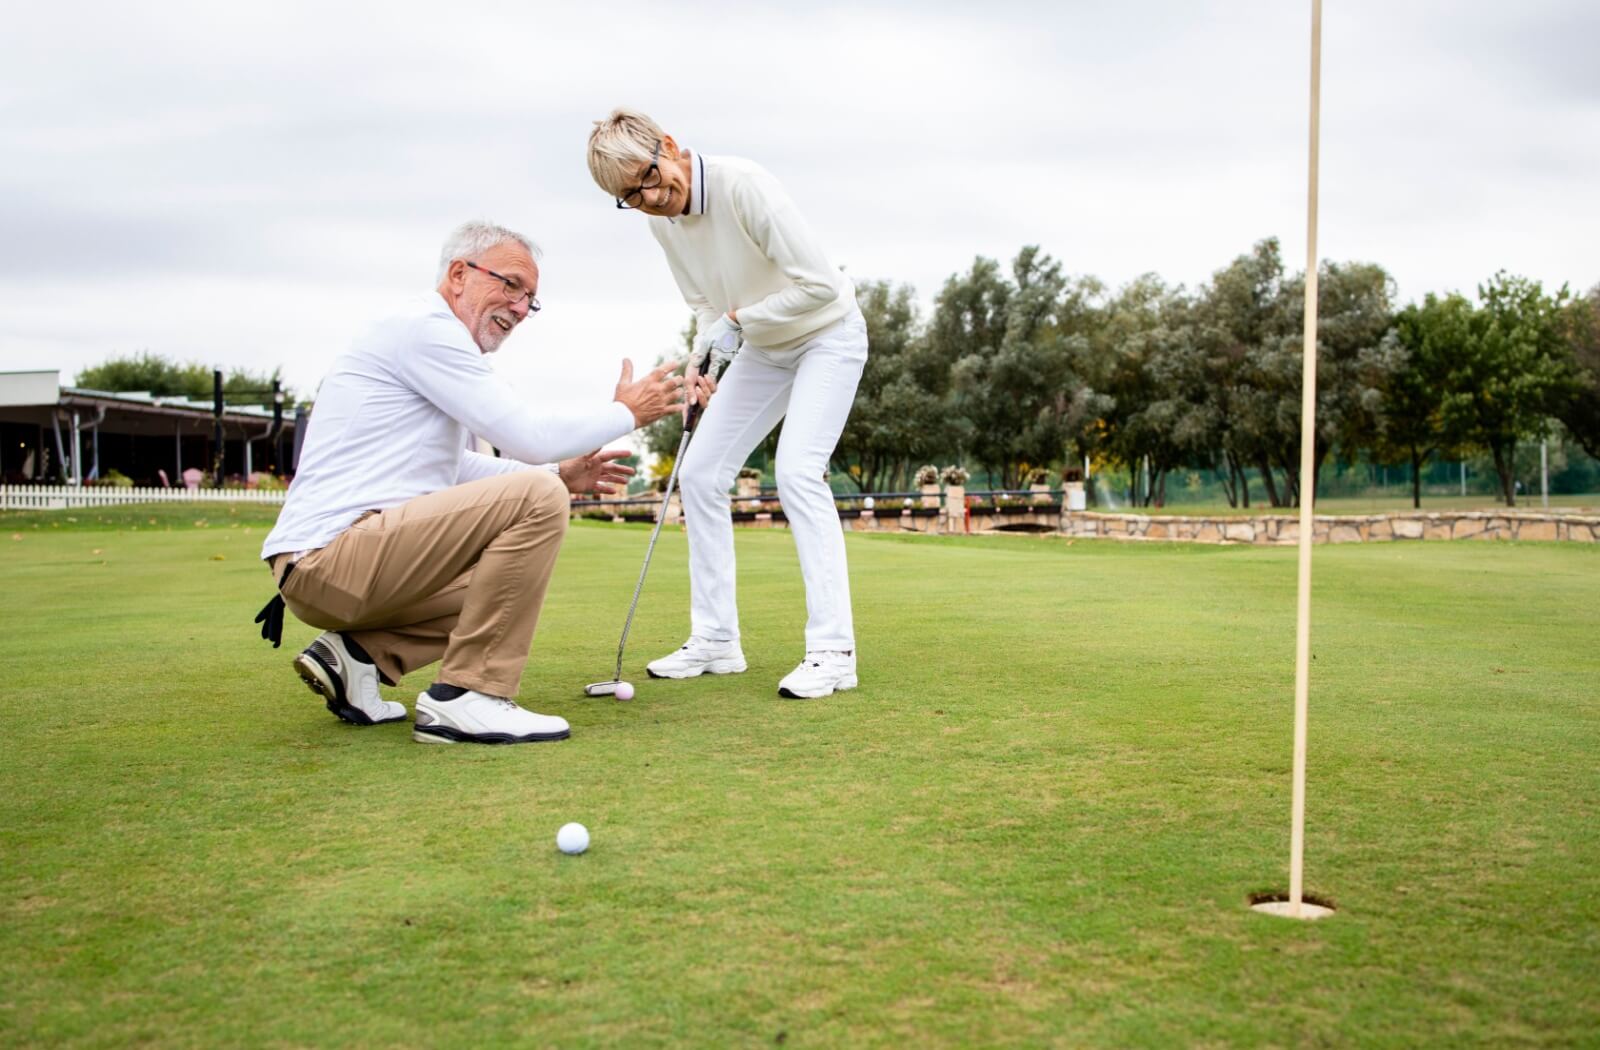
[{"x": 698, "y": 190}]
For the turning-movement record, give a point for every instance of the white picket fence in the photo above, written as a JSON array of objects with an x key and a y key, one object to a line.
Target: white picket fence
[{"x": 65, "y": 497}]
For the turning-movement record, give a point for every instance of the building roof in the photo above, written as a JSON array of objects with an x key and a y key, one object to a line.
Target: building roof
[{"x": 34, "y": 395}]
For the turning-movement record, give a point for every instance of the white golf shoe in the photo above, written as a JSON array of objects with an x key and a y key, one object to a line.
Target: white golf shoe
[
  {"x": 699, "y": 656},
  {"x": 822, "y": 673},
  {"x": 349, "y": 686},
  {"x": 475, "y": 718}
]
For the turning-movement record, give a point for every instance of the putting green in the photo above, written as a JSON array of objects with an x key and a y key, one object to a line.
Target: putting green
[{"x": 1037, "y": 822}]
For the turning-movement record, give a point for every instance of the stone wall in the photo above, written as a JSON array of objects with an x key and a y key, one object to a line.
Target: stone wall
[{"x": 1284, "y": 529}]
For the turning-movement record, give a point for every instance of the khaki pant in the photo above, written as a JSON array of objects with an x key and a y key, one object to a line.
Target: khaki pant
[{"x": 459, "y": 574}]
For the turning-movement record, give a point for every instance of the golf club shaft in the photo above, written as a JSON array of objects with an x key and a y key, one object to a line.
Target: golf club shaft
[
  {"x": 638, "y": 588},
  {"x": 691, "y": 418}
]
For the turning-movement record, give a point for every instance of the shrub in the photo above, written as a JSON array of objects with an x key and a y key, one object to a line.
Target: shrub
[
  {"x": 928, "y": 475},
  {"x": 955, "y": 475}
]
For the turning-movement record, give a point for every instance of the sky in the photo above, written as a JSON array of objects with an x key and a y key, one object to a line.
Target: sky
[{"x": 253, "y": 185}]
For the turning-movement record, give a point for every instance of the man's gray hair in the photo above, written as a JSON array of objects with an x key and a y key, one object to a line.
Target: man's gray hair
[{"x": 472, "y": 239}]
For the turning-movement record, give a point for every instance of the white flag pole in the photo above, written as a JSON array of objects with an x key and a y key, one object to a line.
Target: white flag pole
[{"x": 1295, "y": 907}]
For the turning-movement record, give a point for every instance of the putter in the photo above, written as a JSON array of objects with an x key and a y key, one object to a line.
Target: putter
[{"x": 610, "y": 688}]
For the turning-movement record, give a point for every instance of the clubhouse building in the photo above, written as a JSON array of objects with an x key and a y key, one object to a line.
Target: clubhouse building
[{"x": 54, "y": 434}]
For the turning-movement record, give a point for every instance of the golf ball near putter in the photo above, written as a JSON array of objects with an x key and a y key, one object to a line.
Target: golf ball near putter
[
  {"x": 572, "y": 838},
  {"x": 624, "y": 690}
]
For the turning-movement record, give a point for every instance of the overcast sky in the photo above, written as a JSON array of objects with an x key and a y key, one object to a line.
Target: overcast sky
[{"x": 254, "y": 184}]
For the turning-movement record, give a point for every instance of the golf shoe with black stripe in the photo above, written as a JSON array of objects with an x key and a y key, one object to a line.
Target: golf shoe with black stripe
[{"x": 349, "y": 686}]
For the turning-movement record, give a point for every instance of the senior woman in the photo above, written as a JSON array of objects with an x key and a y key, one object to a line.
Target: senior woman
[{"x": 767, "y": 297}]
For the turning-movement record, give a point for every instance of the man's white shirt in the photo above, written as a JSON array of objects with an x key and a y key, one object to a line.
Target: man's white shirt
[{"x": 392, "y": 418}]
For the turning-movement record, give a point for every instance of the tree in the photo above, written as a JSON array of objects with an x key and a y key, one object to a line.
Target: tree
[
  {"x": 162, "y": 377},
  {"x": 964, "y": 336},
  {"x": 1014, "y": 348},
  {"x": 1411, "y": 423},
  {"x": 1357, "y": 350},
  {"x": 1579, "y": 410},
  {"x": 1512, "y": 368},
  {"x": 1161, "y": 416},
  {"x": 894, "y": 420},
  {"x": 1240, "y": 326}
]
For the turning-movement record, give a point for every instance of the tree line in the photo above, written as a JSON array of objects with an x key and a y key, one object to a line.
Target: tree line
[
  {"x": 1026, "y": 369},
  {"x": 1029, "y": 367},
  {"x": 163, "y": 377}
]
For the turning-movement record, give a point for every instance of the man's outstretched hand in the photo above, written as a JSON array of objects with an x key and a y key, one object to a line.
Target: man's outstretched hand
[
  {"x": 658, "y": 394},
  {"x": 597, "y": 472}
]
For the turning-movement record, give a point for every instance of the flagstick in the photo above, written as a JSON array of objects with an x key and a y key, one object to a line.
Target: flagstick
[{"x": 1295, "y": 907}]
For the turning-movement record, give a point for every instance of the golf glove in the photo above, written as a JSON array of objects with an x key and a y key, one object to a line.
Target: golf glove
[{"x": 720, "y": 342}]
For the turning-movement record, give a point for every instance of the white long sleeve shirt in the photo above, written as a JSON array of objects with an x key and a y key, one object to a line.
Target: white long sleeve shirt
[
  {"x": 391, "y": 422},
  {"x": 744, "y": 246}
]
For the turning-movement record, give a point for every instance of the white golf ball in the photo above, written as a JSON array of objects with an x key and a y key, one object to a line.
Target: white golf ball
[
  {"x": 624, "y": 690},
  {"x": 572, "y": 838}
]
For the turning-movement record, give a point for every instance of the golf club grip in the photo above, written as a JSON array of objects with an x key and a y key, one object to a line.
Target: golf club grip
[{"x": 699, "y": 406}]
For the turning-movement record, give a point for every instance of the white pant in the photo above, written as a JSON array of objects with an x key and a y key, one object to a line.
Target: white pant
[{"x": 811, "y": 389}]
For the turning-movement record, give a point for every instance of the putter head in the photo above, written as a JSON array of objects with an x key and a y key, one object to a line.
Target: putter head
[{"x": 601, "y": 688}]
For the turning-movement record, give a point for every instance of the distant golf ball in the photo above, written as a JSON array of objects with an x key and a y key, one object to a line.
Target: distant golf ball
[
  {"x": 624, "y": 690},
  {"x": 572, "y": 838}
]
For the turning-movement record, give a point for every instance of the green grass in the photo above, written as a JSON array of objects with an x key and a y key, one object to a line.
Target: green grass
[
  {"x": 1036, "y": 823},
  {"x": 140, "y": 517}
]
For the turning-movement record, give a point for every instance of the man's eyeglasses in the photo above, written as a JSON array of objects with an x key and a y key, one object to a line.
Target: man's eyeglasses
[
  {"x": 514, "y": 290},
  {"x": 634, "y": 198}
]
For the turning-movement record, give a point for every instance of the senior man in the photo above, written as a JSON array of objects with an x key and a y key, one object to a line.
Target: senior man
[{"x": 408, "y": 547}]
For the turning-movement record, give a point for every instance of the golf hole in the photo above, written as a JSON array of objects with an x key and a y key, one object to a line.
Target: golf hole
[{"x": 1273, "y": 902}]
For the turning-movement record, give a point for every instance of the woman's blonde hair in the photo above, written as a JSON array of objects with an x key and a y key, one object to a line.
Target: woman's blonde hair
[{"x": 618, "y": 146}]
